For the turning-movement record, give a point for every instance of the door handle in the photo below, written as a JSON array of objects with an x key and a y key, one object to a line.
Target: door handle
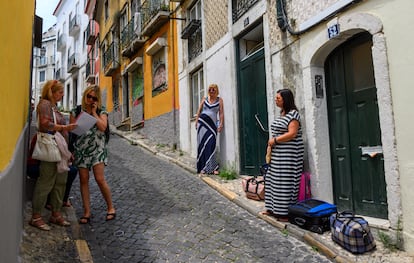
[{"x": 260, "y": 123}]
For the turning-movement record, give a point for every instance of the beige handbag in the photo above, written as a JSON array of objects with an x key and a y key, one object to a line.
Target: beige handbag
[{"x": 46, "y": 148}]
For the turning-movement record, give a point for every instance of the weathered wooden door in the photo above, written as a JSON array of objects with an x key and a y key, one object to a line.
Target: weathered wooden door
[
  {"x": 252, "y": 112},
  {"x": 354, "y": 129}
]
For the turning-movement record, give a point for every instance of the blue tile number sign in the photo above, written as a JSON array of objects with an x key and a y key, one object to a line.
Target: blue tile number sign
[{"x": 333, "y": 31}]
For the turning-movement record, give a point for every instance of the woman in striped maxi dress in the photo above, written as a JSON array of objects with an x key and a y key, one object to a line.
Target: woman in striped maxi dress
[
  {"x": 207, "y": 128},
  {"x": 283, "y": 177}
]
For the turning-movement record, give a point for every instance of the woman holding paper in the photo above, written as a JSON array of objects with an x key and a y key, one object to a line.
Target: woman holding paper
[
  {"x": 91, "y": 153},
  {"x": 51, "y": 182}
]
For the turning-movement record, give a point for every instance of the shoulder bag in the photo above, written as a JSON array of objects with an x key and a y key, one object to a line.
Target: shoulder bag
[{"x": 46, "y": 148}]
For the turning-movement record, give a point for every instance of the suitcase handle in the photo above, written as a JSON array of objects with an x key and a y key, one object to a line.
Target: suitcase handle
[{"x": 299, "y": 221}]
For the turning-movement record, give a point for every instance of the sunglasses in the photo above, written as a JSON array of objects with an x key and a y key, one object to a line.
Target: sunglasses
[
  {"x": 92, "y": 97},
  {"x": 211, "y": 90}
]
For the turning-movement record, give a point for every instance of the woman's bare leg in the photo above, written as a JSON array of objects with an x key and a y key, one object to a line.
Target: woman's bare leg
[
  {"x": 84, "y": 188},
  {"x": 98, "y": 171}
]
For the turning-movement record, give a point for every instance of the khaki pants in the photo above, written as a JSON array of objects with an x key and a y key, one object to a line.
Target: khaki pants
[{"x": 49, "y": 182}]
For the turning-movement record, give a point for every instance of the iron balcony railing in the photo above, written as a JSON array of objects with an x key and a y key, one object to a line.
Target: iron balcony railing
[
  {"x": 42, "y": 61},
  {"x": 60, "y": 75},
  {"x": 61, "y": 42},
  {"x": 90, "y": 33},
  {"x": 240, "y": 7},
  {"x": 127, "y": 34},
  {"x": 73, "y": 63},
  {"x": 195, "y": 44},
  {"x": 74, "y": 25},
  {"x": 90, "y": 70},
  {"x": 110, "y": 58},
  {"x": 155, "y": 13}
]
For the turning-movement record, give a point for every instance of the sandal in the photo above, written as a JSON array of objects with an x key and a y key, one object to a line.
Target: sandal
[
  {"x": 110, "y": 216},
  {"x": 39, "y": 224},
  {"x": 67, "y": 204},
  {"x": 267, "y": 213},
  {"x": 84, "y": 220},
  {"x": 216, "y": 172},
  {"x": 282, "y": 219},
  {"x": 59, "y": 220}
]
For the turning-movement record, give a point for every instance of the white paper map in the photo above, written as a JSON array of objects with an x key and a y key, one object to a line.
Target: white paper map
[{"x": 84, "y": 121}]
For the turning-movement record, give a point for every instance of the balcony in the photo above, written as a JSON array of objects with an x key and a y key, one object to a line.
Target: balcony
[
  {"x": 240, "y": 7},
  {"x": 155, "y": 14},
  {"x": 45, "y": 61},
  {"x": 41, "y": 62},
  {"x": 59, "y": 75},
  {"x": 73, "y": 63},
  {"x": 131, "y": 39},
  {"x": 74, "y": 26},
  {"x": 51, "y": 60},
  {"x": 90, "y": 33},
  {"x": 111, "y": 59},
  {"x": 90, "y": 71},
  {"x": 190, "y": 28},
  {"x": 195, "y": 45},
  {"x": 61, "y": 42}
]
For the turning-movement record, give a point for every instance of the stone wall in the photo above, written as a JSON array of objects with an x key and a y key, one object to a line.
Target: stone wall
[{"x": 215, "y": 21}]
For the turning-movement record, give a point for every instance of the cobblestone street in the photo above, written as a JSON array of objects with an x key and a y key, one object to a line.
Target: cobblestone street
[{"x": 166, "y": 214}]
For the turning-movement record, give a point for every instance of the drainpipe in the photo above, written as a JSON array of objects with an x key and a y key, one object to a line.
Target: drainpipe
[
  {"x": 283, "y": 21},
  {"x": 173, "y": 82}
]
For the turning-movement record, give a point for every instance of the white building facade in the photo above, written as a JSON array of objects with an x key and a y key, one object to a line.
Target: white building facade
[
  {"x": 349, "y": 67},
  {"x": 72, "y": 50},
  {"x": 43, "y": 63}
]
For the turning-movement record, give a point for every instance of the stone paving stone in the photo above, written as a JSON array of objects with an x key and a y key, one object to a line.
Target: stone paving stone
[{"x": 192, "y": 225}]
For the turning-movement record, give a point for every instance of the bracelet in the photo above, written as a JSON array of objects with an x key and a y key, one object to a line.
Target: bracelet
[{"x": 274, "y": 140}]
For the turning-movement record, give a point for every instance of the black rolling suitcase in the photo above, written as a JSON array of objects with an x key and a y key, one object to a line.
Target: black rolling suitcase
[{"x": 312, "y": 214}]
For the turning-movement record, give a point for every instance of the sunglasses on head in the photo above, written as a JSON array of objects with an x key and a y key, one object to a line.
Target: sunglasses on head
[{"x": 92, "y": 97}]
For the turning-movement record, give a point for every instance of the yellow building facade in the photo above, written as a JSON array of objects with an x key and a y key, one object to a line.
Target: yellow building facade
[
  {"x": 138, "y": 47},
  {"x": 15, "y": 54}
]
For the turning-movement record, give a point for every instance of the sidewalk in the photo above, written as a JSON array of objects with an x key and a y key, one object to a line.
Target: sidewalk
[
  {"x": 233, "y": 191},
  {"x": 36, "y": 245}
]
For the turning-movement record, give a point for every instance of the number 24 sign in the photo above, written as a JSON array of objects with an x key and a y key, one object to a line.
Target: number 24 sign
[{"x": 333, "y": 31}]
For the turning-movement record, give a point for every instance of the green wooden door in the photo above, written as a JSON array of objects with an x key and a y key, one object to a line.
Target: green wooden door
[
  {"x": 252, "y": 112},
  {"x": 355, "y": 134}
]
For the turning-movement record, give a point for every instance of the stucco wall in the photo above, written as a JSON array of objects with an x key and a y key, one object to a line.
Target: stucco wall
[
  {"x": 392, "y": 59},
  {"x": 15, "y": 73}
]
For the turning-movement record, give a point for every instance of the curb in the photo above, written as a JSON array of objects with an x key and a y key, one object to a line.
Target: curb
[
  {"x": 81, "y": 245},
  {"x": 235, "y": 198}
]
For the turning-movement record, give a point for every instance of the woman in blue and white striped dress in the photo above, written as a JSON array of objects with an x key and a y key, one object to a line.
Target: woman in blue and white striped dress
[
  {"x": 283, "y": 177},
  {"x": 207, "y": 129}
]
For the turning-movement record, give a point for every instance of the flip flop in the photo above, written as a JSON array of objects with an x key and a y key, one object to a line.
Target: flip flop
[{"x": 110, "y": 216}]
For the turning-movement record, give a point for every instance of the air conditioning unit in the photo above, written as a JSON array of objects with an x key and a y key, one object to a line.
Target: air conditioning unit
[{"x": 138, "y": 23}]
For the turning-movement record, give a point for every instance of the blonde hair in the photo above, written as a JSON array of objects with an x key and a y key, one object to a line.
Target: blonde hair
[
  {"x": 215, "y": 87},
  {"x": 50, "y": 87},
  {"x": 97, "y": 90}
]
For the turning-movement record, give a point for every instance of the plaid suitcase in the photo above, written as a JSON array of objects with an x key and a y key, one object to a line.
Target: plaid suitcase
[{"x": 351, "y": 232}]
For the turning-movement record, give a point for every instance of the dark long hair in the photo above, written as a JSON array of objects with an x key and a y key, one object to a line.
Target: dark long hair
[{"x": 288, "y": 100}]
